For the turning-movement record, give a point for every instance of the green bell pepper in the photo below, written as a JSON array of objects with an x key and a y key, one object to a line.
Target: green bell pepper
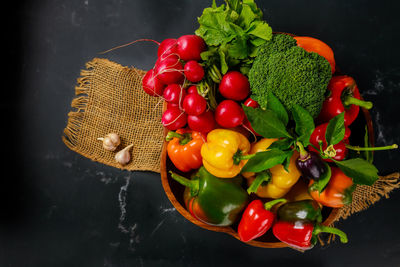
[{"x": 213, "y": 200}]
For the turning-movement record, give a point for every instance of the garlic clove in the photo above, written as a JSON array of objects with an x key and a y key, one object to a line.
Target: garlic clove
[
  {"x": 111, "y": 141},
  {"x": 124, "y": 156}
]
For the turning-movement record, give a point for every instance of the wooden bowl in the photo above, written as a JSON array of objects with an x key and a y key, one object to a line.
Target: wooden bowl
[{"x": 174, "y": 190}]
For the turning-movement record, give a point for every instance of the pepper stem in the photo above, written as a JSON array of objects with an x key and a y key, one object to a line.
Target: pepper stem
[
  {"x": 238, "y": 157},
  {"x": 303, "y": 152},
  {"x": 272, "y": 203},
  {"x": 357, "y": 148},
  {"x": 192, "y": 184},
  {"x": 183, "y": 138},
  {"x": 264, "y": 176},
  {"x": 171, "y": 135},
  {"x": 319, "y": 228},
  {"x": 350, "y": 100}
]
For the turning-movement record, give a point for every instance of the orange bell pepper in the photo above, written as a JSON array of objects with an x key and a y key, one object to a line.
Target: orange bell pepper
[
  {"x": 311, "y": 44},
  {"x": 337, "y": 193},
  {"x": 184, "y": 149}
]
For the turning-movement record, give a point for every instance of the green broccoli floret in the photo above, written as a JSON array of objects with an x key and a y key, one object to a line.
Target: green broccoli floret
[{"x": 292, "y": 74}]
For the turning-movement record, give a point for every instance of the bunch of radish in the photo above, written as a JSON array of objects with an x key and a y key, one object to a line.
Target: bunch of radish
[
  {"x": 178, "y": 66},
  {"x": 174, "y": 77}
]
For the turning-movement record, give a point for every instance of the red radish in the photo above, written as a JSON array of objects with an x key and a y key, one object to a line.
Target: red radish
[
  {"x": 194, "y": 104},
  {"x": 202, "y": 123},
  {"x": 169, "y": 105},
  {"x": 254, "y": 104},
  {"x": 152, "y": 85},
  {"x": 174, "y": 93},
  {"x": 234, "y": 85},
  {"x": 169, "y": 70},
  {"x": 173, "y": 118},
  {"x": 251, "y": 103},
  {"x": 193, "y": 71},
  {"x": 190, "y": 47},
  {"x": 192, "y": 90},
  {"x": 167, "y": 47},
  {"x": 229, "y": 114}
]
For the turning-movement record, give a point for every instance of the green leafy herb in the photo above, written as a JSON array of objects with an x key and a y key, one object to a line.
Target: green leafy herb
[
  {"x": 275, "y": 105},
  {"x": 335, "y": 130},
  {"x": 304, "y": 124},
  {"x": 266, "y": 122},
  {"x": 361, "y": 171},
  {"x": 282, "y": 144},
  {"x": 286, "y": 162},
  {"x": 264, "y": 160}
]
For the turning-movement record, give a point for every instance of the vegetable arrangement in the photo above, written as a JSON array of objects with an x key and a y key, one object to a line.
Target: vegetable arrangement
[{"x": 251, "y": 116}]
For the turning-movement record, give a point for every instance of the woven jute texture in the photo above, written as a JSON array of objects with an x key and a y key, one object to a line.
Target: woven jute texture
[{"x": 110, "y": 99}]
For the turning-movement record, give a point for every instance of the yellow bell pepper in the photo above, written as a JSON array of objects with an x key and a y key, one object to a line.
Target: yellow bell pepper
[
  {"x": 279, "y": 181},
  {"x": 224, "y": 153}
]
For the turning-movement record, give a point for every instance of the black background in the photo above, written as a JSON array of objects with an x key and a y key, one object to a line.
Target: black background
[{"x": 61, "y": 209}]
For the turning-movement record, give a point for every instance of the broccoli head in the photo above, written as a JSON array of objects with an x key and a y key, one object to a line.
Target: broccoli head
[{"x": 292, "y": 74}]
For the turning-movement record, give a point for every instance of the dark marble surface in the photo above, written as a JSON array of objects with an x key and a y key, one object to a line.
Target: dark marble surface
[{"x": 60, "y": 209}]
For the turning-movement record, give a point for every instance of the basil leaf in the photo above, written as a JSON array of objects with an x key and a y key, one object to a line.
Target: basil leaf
[
  {"x": 266, "y": 123},
  {"x": 323, "y": 181},
  {"x": 335, "y": 130},
  {"x": 361, "y": 171},
  {"x": 282, "y": 144},
  {"x": 275, "y": 105},
  {"x": 264, "y": 160},
  {"x": 304, "y": 124},
  {"x": 286, "y": 162}
]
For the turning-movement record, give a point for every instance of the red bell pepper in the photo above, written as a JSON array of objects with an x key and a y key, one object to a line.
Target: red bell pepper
[
  {"x": 318, "y": 136},
  {"x": 344, "y": 96},
  {"x": 299, "y": 224},
  {"x": 302, "y": 235},
  {"x": 257, "y": 219}
]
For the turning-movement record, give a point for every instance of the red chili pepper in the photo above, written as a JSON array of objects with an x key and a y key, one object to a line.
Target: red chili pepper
[
  {"x": 257, "y": 219},
  {"x": 318, "y": 135},
  {"x": 344, "y": 96}
]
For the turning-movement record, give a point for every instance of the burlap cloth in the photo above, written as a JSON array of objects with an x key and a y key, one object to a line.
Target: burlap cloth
[{"x": 110, "y": 98}]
